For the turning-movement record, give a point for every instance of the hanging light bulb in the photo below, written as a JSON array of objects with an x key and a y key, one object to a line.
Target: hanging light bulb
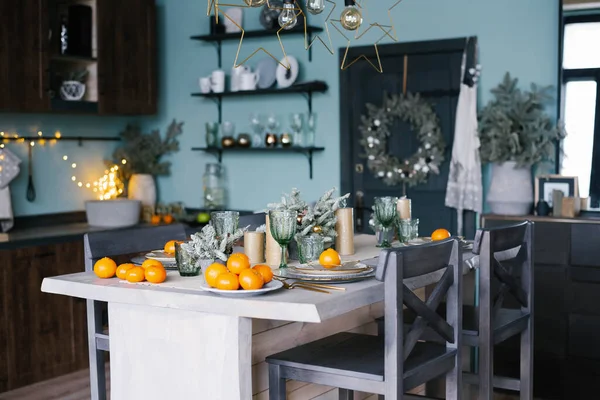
[
  {"x": 315, "y": 6},
  {"x": 287, "y": 19},
  {"x": 255, "y": 3},
  {"x": 351, "y": 18}
]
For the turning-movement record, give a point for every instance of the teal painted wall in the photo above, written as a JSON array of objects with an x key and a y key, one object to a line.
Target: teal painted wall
[
  {"x": 52, "y": 176},
  {"x": 515, "y": 35}
]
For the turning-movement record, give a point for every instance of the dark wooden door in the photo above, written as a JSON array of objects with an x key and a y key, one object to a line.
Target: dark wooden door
[
  {"x": 433, "y": 70},
  {"x": 24, "y": 38},
  {"x": 127, "y": 56}
]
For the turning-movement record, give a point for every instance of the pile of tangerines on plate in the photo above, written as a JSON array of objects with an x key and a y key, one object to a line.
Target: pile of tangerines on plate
[
  {"x": 238, "y": 274},
  {"x": 152, "y": 271}
]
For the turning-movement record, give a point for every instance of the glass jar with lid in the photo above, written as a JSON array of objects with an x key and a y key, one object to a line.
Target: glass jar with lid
[{"x": 213, "y": 186}]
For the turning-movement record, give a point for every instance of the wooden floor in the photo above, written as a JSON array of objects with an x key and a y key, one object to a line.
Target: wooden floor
[{"x": 76, "y": 386}]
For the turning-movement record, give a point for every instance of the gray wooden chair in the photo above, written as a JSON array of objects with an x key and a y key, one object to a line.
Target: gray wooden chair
[
  {"x": 505, "y": 254},
  {"x": 115, "y": 243},
  {"x": 397, "y": 362}
]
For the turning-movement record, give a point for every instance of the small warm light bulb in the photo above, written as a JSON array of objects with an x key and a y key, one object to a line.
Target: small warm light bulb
[
  {"x": 95, "y": 189},
  {"x": 87, "y": 185},
  {"x": 351, "y": 18},
  {"x": 15, "y": 136},
  {"x": 315, "y": 6},
  {"x": 123, "y": 161},
  {"x": 116, "y": 168},
  {"x": 65, "y": 158},
  {"x": 57, "y": 134},
  {"x": 32, "y": 143},
  {"x": 73, "y": 165},
  {"x": 1, "y": 133},
  {"x": 73, "y": 178},
  {"x": 79, "y": 184},
  {"x": 40, "y": 133},
  {"x": 2, "y": 146},
  {"x": 287, "y": 18}
]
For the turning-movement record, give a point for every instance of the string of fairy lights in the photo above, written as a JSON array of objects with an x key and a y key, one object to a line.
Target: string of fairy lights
[{"x": 107, "y": 187}]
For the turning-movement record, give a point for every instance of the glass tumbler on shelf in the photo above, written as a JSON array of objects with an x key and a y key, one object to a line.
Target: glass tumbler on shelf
[
  {"x": 297, "y": 125},
  {"x": 273, "y": 124},
  {"x": 258, "y": 129},
  {"x": 283, "y": 225},
  {"x": 212, "y": 134},
  {"x": 311, "y": 130},
  {"x": 227, "y": 129},
  {"x": 310, "y": 248},
  {"x": 386, "y": 215},
  {"x": 213, "y": 187},
  {"x": 186, "y": 265}
]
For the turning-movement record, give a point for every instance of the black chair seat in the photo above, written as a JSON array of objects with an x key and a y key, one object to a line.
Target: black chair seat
[
  {"x": 507, "y": 323},
  {"x": 357, "y": 356}
]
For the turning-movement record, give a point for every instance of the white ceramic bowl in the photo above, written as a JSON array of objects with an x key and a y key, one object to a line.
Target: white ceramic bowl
[{"x": 118, "y": 213}]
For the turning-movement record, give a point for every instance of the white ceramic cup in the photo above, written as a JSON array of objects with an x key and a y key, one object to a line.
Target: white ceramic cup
[
  {"x": 217, "y": 81},
  {"x": 236, "y": 73},
  {"x": 249, "y": 80},
  {"x": 204, "y": 85}
]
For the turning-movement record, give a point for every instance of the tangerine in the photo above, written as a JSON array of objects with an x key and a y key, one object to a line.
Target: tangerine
[
  {"x": 122, "y": 270},
  {"x": 251, "y": 279},
  {"x": 168, "y": 219},
  {"x": 265, "y": 271},
  {"x": 155, "y": 219},
  {"x": 170, "y": 246},
  {"x": 330, "y": 259},
  {"x": 440, "y": 234},
  {"x": 135, "y": 274},
  {"x": 155, "y": 274},
  {"x": 150, "y": 262},
  {"x": 212, "y": 272},
  {"x": 238, "y": 262},
  {"x": 105, "y": 268},
  {"x": 227, "y": 281}
]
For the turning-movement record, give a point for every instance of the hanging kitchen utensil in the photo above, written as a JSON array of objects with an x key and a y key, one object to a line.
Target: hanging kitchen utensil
[{"x": 30, "y": 187}]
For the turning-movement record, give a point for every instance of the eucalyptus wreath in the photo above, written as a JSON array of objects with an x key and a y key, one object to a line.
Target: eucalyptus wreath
[{"x": 376, "y": 127}]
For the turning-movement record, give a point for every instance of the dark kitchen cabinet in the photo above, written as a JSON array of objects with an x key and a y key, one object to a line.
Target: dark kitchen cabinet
[
  {"x": 42, "y": 336},
  {"x": 120, "y": 57}
]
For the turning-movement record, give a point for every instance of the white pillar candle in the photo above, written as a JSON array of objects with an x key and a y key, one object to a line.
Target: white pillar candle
[
  {"x": 344, "y": 227},
  {"x": 273, "y": 251},
  {"x": 254, "y": 246},
  {"x": 404, "y": 208}
]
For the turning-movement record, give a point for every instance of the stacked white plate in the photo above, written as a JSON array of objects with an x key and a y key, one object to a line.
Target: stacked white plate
[{"x": 347, "y": 272}]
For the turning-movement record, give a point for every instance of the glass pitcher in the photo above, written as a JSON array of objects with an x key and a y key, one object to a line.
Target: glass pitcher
[{"x": 213, "y": 187}]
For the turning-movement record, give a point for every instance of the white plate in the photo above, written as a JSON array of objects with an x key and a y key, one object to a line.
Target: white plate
[
  {"x": 269, "y": 287},
  {"x": 352, "y": 267},
  {"x": 160, "y": 255},
  {"x": 285, "y": 77},
  {"x": 294, "y": 273},
  {"x": 266, "y": 69}
]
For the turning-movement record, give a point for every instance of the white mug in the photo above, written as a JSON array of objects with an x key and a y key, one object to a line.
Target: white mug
[
  {"x": 236, "y": 73},
  {"x": 248, "y": 81},
  {"x": 204, "y": 85},
  {"x": 217, "y": 81}
]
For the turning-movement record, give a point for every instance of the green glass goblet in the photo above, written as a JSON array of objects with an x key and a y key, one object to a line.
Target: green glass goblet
[
  {"x": 225, "y": 224},
  {"x": 386, "y": 215},
  {"x": 283, "y": 225}
]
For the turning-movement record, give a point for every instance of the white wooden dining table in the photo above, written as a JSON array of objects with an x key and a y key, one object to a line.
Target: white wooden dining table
[{"x": 170, "y": 342}]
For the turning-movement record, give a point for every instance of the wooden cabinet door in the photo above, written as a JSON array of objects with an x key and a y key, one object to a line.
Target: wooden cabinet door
[
  {"x": 24, "y": 38},
  {"x": 127, "y": 56}
]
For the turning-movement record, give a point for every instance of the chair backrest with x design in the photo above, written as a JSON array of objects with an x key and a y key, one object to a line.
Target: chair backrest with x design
[
  {"x": 505, "y": 267},
  {"x": 398, "y": 265}
]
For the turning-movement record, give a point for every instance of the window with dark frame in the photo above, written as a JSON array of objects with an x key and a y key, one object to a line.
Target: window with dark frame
[{"x": 581, "y": 103}]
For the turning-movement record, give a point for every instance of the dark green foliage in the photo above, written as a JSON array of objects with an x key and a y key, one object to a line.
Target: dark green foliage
[
  {"x": 515, "y": 127},
  {"x": 143, "y": 152}
]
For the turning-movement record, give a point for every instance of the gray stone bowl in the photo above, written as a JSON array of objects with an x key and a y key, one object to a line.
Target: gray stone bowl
[{"x": 117, "y": 213}]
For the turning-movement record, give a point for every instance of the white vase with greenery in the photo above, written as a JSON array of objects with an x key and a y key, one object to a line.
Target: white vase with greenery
[{"x": 516, "y": 133}]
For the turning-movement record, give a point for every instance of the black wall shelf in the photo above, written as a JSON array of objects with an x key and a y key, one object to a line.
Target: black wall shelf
[
  {"x": 305, "y": 88},
  {"x": 217, "y": 39},
  {"x": 83, "y": 107},
  {"x": 307, "y": 151}
]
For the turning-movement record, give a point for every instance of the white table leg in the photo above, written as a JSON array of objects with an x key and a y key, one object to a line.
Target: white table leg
[{"x": 160, "y": 353}]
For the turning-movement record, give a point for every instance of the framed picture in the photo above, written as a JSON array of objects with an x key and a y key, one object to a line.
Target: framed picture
[{"x": 545, "y": 184}]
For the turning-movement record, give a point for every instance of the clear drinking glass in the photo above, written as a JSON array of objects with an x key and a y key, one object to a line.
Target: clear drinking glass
[
  {"x": 283, "y": 228},
  {"x": 310, "y": 248},
  {"x": 228, "y": 129},
  {"x": 386, "y": 215},
  {"x": 414, "y": 228},
  {"x": 258, "y": 129},
  {"x": 186, "y": 264},
  {"x": 212, "y": 134},
  {"x": 225, "y": 224},
  {"x": 297, "y": 124},
  {"x": 213, "y": 187},
  {"x": 273, "y": 123},
  {"x": 311, "y": 129}
]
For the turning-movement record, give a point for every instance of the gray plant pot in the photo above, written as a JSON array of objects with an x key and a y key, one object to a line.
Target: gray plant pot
[
  {"x": 511, "y": 190},
  {"x": 117, "y": 213}
]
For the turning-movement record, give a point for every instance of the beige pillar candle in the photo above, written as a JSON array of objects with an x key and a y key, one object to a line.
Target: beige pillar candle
[
  {"x": 404, "y": 208},
  {"x": 254, "y": 246},
  {"x": 344, "y": 227},
  {"x": 273, "y": 251}
]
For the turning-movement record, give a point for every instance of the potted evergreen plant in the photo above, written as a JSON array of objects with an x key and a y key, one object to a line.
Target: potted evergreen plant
[
  {"x": 140, "y": 160},
  {"x": 516, "y": 133}
]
